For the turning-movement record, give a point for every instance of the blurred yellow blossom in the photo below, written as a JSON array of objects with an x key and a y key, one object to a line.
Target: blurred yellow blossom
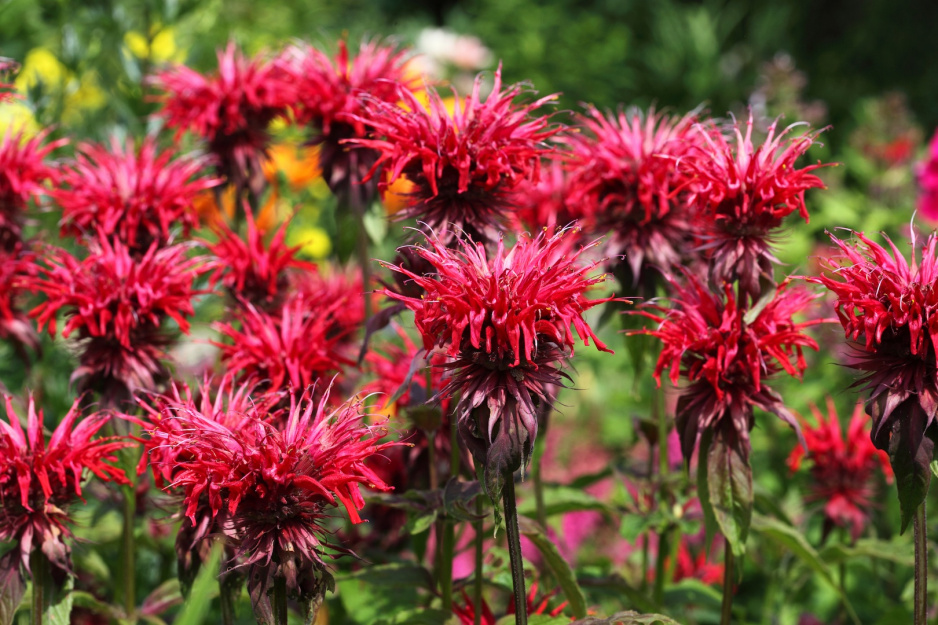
[
  {"x": 314, "y": 242},
  {"x": 162, "y": 47},
  {"x": 298, "y": 164},
  {"x": 41, "y": 65},
  {"x": 16, "y": 116}
]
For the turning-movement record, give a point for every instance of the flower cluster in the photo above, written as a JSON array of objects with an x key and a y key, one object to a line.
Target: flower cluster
[
  {"x": 269, "y": 488},
  {"x": 136, "y": 196},
  {"x": 466, "y": 167},
  {"x": 842, "y": 468},
  {"x": 927, "y": 174},
  {"x": 745, "y": 192},
  {"x": 15, "y": 267},
  {"x": 40, "y": 478},
  {"x": 508, "y": 323},
  {"x": 23, "y": 171}
]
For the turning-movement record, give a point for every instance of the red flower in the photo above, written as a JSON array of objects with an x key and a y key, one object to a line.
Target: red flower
[
  {"x": 288, "y": 349},
  {"x": 842, "y": 469},
  {"x": 927, "y": 174},
  {"x": 252, "y": 271},
  {"x": 545, "y": 206},
  {"x": 466, "y": 613},
  {"x": 39, "y": 479},
  {"x": 725, "y": 355},
  {"x": 273, "y": 487},
  {"x": 231, "y": 110},
  {"x": 115, "y": 304},
  {"x": 745, "y": 192},
  {"x": 330, "y": 101},
  {"x": 336, "y": 293},
  {"x": 391, "y": 366},
  {"x": 134, "y": 195},
  {"x": 506, "y": 322},
  {"x": 22, "y": 173},
  {"x": 15, "y": 267},
  {"x": 624, "y": 179},
  {"x": 467, "y": 167}
]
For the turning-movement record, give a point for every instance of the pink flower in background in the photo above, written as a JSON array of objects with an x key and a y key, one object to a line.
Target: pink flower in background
[
  {"x": 23, "y": 172},
  {"x": 927, "y": 174},
  {"x": 135, "y": 195},
  {"x": 8, "y": 70},
  {"x": 16, "y": 266},
  {"x": 466, "y": 167},
  {"x": 40, "y": 478}
]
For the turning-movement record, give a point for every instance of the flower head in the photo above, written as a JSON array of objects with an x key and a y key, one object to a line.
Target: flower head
[
  {"x": 468, "y": 166},
  {"x": 331, "y": 96},
  {"x": 624, "y": 179},
  {"x": 136, "y": 196},
  {"x": 115, "y": 304},
  {"x": 725, "y": 352},
  {"x": 40, "y": 478},
  {"x": 231, "y": 110},
  {"x": 271, "y": 487},
  {"x": 546, "y": 205},
  {"x": 842, "y": 468},
  {"x": 927, "y": 174},
  {"x": 745, "y": 192},
  {"x": 23, "y": 171},
  {"x": 251, "y": 270},
  {"x": 508, "y": 323},
  {"x": 15, "y": 267}
]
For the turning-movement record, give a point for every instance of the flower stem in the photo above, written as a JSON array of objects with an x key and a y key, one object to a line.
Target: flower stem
[
  {"x": 726, "y": 611},
  {"x": 42, "y": 580},
  {"x": 920, "y": 609},
  {"x": 128, "y": 551},
  {"x": 226, "y": 595},
  {"x": 449, "y": 528},
  {"x": 539, "y": 483},
  {"x": 660, "y": 565},
  {"x": 514, "y": 551},
  {"x": 280, "y": 600},
  {"x": 477, "y": 590}
]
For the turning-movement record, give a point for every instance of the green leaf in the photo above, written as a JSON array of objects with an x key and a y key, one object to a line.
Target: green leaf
[
  {"x": 691, "y": 591},
  {"x": 729, "y": 490},
  {"x": 83, "y": 599},
  {"x": 374, "y": 592},
  {"x": 868, "y": 548},
  {"x": 632, "y": 526},
  {"x": 911, "y": 454},
  {"x": 59, "y": 609},
  {"x": 425, "y": 616},
  {"x": 703, "y": 491},
  {"x": 559, "y": 499},
  {"x": 558, "y": 566},
  {"x": 628, "y": 618},
  {"x": 204, "y": 589},
  {"x": 790, "y": 538},
  {"x": 12, "y": 585},
  {"x": 617, "y": 585}
]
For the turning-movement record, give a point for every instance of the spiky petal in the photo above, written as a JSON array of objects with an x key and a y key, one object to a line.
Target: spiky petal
[
  {"x": 468, "y": 166},
  {"x": 40, "y": 478},
  {"x": 23, "y": 172}
]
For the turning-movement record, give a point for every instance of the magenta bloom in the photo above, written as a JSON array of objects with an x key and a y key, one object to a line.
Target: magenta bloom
[
  {"x": 889, "y": 309},
  {"x": 231, "y": 110},
  {"x": 726, "y": 356},
  {"x": 744, "y": 193},
  {"x": 271, "y": 488},
  {"x": 331, "y": 100},
  {"x": 115, "y": 305},
  {"x": 23, "y": 171},
  {"x": 253, "y": 271},
  {"x": 624, "y": 180},
  {"x": 15, "y": 267},
  {"x": 927, "y": 174},
  {"x": 467, "y": 167},
  {"x": 288, "y": 349},
  {"x": 842, "y": 469},
  {"x": 508, "y": 324},
  {"x": 137, "y": 196},
  {"x": 39, "y": 479},
  {"x": 545, "y": 206}
]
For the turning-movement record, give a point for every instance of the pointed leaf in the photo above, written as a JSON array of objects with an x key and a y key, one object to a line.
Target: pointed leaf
[
  {"x": 59, "y": 609},
  {"x": 204, "y": 588},
  {"x": 911, "y": 454},
  {"x": 703, "y": 491},
  {"x": 868, "y": 548},
  {"x": 729, "y": 486},
  {"x": 628, "y": 618},
  {"x": 12, "y": 585},
  {"x": 558, "y": 566}
]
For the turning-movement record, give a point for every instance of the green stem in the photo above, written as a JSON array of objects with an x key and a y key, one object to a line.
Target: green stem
[
  {"x": 449, "y": 528},
  {"x": 361, "y": 248},
  {"x": 514, "y": 551},
  {"x": 128, "y": 550},
  {"x": 42, "y": 580},
  {"x": 477, "y": 590},
  {"x": 280, "y": 600},
  {"x": 920, "y": 609},
  {"x": 726, "y": 611},
  {"x": 226, "y": 595},
  {"x": 660, "y": 565},
  {"x": 539, "y": 484}
]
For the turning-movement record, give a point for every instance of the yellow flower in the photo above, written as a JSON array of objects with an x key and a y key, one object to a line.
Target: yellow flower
[
  {"x": 162, "y": 47},
  {"x": 16, "y": 116},
  {"x": 314, "y": 241},
  {"x": 41, "y": 65}
]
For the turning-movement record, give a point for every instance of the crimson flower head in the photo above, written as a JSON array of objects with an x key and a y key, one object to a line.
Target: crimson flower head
[
  {"x": 252, "y": 270},
  {"x": 23, "y": 170},
  {"x": 15, "y": 267},
  {"x": 545, "y": 206},
  {"x": 842, "y": 468},
  {"x": 115, "y": 304},
  {"x": 744, "y": 192},
  {"x": 725, "y": 352},
  {"x": 136, "y": 196},
  {"x": 508, "y": 323},
  {"x": 466, "y": 167},
  {"x": 231, "y": 110},
  {"x": 287, "y": 349},
  {"x": 330, "y": 102},
  {"x": 888, "y": 308},
  {"x": 927, "y": 174},
  {"x": 624, "y": 180},
  {"x": 40, "y": 478},
  {"x": 270, "y": 488},
  {"x": 535, "y": 605}
]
